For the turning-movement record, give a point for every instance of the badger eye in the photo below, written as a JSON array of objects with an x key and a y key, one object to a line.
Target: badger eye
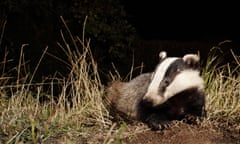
[{"x": 166, "y": 82}]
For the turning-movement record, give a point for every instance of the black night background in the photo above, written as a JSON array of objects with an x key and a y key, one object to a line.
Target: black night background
[{"x": 118, "y": 30}]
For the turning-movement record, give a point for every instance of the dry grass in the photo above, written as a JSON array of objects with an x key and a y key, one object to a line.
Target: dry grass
[
  {"x": 222, "y": 89},
  {"x": 78, "y": 111},
  {"x": 79, "y": 114}
]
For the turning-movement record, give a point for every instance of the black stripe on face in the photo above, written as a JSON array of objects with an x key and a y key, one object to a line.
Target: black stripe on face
[{"x": 174, "y": 68}]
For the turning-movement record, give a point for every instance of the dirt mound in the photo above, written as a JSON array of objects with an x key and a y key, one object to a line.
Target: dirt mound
[
  {"x": 207, "y": 132},
  {"x": 188, "y": 134}
]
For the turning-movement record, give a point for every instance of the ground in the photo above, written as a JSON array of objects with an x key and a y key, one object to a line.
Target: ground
[
  {"x": 207, "y": 132},
  {"x": 187, "y": 134}
]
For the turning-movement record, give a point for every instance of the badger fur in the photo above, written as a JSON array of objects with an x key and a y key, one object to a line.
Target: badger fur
[
  {"x": 174, "y": 91},
  {"x": 126, "y": 97}
]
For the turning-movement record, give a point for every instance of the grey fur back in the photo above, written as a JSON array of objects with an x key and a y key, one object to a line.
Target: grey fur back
[{"x": 126, "y": 96}]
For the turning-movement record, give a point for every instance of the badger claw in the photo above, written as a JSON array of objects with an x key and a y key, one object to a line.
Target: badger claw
[
  {"x": 190, "y": 119},
  {"x": 156, "y": 123},
  {"x": 159, "y": 126}
]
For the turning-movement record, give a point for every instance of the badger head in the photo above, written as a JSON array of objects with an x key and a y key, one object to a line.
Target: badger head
[{"x": 173, "y": 75}]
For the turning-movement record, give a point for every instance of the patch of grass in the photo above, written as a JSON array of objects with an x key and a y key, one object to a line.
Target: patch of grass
[
  {"x": 79, "y": 108},
  {"x": 222, "y": 88}
]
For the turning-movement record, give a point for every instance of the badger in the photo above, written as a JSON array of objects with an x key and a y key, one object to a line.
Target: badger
[{"x": 174, "y": 91}]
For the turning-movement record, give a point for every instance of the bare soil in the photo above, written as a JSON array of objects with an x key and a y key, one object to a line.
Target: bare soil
[
  {"x": 206, "y": 132},
  {"x": 181, "y": 133}
]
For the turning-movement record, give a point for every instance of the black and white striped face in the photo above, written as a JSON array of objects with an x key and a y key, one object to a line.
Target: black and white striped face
[{"x": 172, "y": 76}]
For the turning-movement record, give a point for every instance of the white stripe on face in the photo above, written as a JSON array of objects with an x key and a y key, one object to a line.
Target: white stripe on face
[
  {"x": 185, "y": 80},
  {"x": 158, "y": 77}
]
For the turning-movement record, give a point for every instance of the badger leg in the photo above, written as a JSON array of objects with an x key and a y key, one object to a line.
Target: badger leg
[{"x": 157, "y": 122}]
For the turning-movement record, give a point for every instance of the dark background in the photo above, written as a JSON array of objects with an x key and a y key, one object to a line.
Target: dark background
[
  {"x": 185, "y": 20},
  {"x": 119, "y": 31}
]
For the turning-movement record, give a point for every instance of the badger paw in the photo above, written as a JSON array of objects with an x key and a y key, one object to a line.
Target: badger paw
[
  {"x": 161, "y": 126},
  {"x": 190, "y": 119},
  {"x": 155, "y": 123}
]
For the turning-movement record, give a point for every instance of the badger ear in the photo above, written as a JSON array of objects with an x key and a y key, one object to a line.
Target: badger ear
[
  {"x": 162, "y": 55},
  {"x": 192, "y": 60}
]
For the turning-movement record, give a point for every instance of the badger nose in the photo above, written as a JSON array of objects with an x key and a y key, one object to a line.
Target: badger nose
[{"x": 147, "y": 102}]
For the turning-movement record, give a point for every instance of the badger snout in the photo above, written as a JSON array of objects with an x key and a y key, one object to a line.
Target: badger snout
[{"x": 147, "y": 102}]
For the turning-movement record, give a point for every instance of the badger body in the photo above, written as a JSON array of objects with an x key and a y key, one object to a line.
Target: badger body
[
  {"x": 126, "y": 97},
  {"x": 174, "y": 91}
]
